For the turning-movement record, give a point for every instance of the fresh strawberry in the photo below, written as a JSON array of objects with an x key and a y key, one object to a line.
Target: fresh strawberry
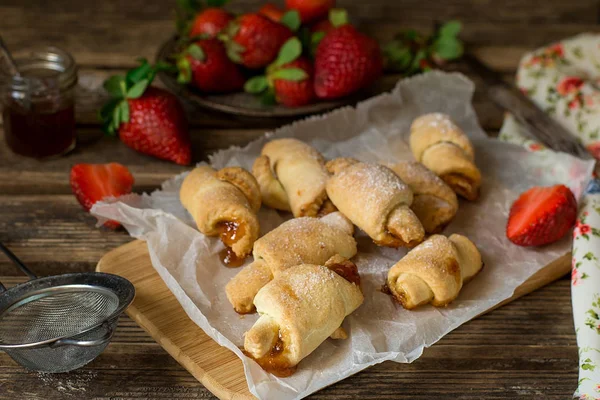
[
  {"x": 541, "y": 215},
  {"x": 271, "y": 11},
  {"x": 346, "y": 61},
  {"x": 205, "y": 64},
  {"x": 93, "y": 182},
  {"x": 295, "y": 93},
  {"x": 254, "y": 40},
  {"x": 210, "y": 22},
  {"x": 147, "y": 119},
  {"x": 310, "y": 10},
  {"x": 288, "y": 80}
]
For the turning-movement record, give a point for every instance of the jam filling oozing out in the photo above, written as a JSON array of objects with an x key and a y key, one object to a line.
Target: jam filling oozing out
[
  {"x": 230, "y": 232},
  {"x": 348, "y": 271}
]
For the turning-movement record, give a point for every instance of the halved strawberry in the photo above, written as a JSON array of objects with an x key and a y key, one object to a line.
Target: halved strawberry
[
  {"x": 93, "y": 182},
  {"x": 541, "y": 215}
]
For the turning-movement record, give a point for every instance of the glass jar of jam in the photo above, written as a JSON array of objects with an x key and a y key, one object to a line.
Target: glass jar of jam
[{"x": 39, "y": 104}]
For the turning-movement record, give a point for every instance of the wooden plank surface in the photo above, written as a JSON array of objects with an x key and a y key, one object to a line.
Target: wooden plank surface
[
  {"x": 157, "y": 311},
  {"x": 525, "y": 350}
]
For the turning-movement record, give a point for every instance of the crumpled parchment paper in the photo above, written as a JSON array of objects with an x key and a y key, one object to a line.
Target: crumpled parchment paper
[{"x": 376, "y": 130}]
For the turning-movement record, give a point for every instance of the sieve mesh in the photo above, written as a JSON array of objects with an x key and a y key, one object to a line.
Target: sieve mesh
[
  {"x": 55, "y": 314},
  {"x": 63, "y": 358}
]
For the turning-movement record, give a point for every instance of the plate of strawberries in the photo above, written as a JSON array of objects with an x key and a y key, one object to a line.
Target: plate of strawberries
[{"x": 304, "y": 59}]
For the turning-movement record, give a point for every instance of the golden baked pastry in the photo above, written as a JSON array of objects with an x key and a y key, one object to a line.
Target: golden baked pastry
[
  {"x": 440, "y": 145},
  {"x": 224, "y": 203},
  {"x": 434, "y": 202},
  {"x": 376, "y": 200},
  {"x": 297, "y": 241},
  {"x": 292, "y": 177},
  {"x": 434, "y": 271},
  {"x": 299, "y": 310}
]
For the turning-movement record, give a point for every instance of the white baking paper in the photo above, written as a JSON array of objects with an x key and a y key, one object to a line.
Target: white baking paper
[{"x": 380, "y": 329}]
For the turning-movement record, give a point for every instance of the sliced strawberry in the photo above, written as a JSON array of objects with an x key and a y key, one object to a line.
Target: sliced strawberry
[
  {"x": 93, "y": 182},
  {"x": 210, "y": 22},
  {"x": 541, "y": 215}
]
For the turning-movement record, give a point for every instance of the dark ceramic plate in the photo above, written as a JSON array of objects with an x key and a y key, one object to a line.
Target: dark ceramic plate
[{"x": 242, "y": 104}]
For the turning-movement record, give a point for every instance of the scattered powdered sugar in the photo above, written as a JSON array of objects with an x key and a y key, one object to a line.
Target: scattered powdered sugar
[
  {"x": 71, "y": 384},
  {"x": 375, "y": 180},
  {"x": 440, "y": 121}
]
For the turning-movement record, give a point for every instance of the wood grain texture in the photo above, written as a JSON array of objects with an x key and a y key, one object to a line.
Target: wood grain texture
[
  {"x": 160, "y": 314},
  {"x": 524, "y": 350}
]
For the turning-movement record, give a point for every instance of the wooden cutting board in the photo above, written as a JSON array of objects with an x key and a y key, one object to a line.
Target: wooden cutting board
[{"x": 157, "y": 311}]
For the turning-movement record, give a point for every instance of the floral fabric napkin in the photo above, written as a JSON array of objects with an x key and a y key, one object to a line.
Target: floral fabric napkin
[{"x": 564, "y": 80}]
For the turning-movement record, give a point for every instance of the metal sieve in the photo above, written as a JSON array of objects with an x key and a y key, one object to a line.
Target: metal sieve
[{"x": 60, "y": 323}]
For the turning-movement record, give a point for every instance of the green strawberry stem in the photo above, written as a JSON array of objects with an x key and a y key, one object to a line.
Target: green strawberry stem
[{"x": 291, "y": 19}]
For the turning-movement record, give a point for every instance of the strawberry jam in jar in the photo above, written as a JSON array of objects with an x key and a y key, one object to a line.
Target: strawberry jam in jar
[{"x": 38, "y": 104}]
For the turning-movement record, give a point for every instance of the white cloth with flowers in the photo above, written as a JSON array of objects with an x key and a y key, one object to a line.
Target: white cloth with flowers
[{"x": 564, "y": 80}]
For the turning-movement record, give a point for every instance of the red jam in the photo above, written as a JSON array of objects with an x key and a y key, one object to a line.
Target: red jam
[{"x": 36, "y": 132}]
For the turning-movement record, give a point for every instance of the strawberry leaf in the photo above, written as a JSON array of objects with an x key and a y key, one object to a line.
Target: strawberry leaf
[
  {"x": 338, "y": 17},
  {"x": 290, "y": 74},
  {"x": 448, "y": 48},
  {"x": 268, "y": 98},
  {"x": 450, "y": 29},
  {"x": 289, "y": 52},
  {"x": 234, "y": 51},
  {"x": 106, "y": 115},
  {"x": 115, "y": 86},
  {"x": 124, "y": 111},
  {"x": 398, "y": 55},
  {"x": 196, "y": 52},
  {"x": 291, "y": 19},
  {"x": 138, "y": 89},
  {"x": 257, "y": 84},
  {"x": 116, "y": 119},
  {"x": 315, "y": 39}
]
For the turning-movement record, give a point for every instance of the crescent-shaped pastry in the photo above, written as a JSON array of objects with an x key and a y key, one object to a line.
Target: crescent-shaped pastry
[
  {"x": 434, "y": 202},
  {"x": 434, "y": 271},
  {"x": 440, "y": 145},
  {"x": 292, "y": 177},
  {"x": 376, "y": 200},
  {"x": 299, "y": 310},
  {"x": 297, "y": 241},
  {"x": 224, "y": 203}
]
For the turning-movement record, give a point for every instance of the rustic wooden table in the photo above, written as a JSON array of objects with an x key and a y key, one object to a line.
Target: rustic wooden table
[{"x": 524, "y": 350}]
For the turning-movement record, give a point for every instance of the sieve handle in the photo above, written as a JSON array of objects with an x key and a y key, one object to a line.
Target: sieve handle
[
  {"x": 86, "y": 343},
  {"x": 17, "y": 262}
]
